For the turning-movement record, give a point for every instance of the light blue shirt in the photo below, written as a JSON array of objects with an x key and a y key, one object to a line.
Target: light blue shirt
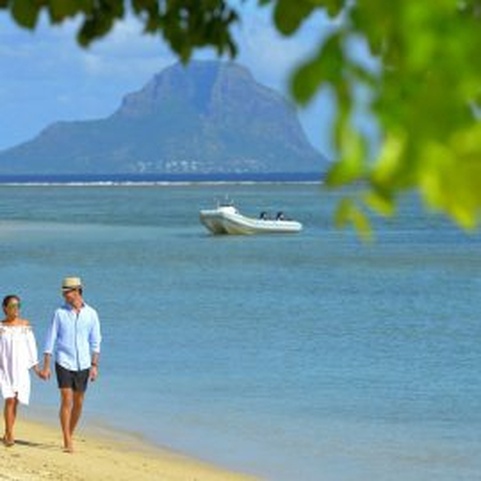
[{"x": 73, "y": 337}]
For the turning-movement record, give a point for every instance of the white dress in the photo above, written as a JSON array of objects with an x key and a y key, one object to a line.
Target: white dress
[{"x": 18, "y": 353}]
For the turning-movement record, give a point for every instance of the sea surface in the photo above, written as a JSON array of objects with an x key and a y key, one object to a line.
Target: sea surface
[{"x": 309, "y": 357}]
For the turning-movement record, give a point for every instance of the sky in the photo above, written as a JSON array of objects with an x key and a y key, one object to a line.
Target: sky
[{"x": 46, "y": 77}]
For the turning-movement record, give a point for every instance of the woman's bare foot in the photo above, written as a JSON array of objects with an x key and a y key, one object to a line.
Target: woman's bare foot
[{"x": 8, "y": 441}]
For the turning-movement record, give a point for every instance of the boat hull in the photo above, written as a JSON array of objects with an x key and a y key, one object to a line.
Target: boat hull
[
  {"x": 233, "y": 223},
  {"x": 214, "y": 221}
]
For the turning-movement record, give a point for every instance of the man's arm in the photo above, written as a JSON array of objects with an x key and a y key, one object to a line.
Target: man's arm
[
  {"x": 94, "y": 369},
  {"x": 95, "y": 339},
  {"x": 95, "y": 336},
  {"x": 45, "y": 373},
  {"x": 49, "y": 347}
]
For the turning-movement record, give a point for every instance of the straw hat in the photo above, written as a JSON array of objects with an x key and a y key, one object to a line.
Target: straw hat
[{"x": 70, "y": 283}]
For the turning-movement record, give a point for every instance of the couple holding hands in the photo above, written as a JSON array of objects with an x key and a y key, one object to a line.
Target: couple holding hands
[{"x": 73, "y": 339}]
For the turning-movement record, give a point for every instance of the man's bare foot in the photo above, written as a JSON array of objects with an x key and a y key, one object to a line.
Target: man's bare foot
[{"x": 68, "y": 449}]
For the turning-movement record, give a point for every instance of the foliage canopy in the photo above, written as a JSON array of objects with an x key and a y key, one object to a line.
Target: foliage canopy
[{"x": 425, "y": 93}]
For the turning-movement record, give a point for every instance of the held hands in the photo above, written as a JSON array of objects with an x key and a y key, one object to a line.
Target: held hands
[{"x": 43, "y": 374}]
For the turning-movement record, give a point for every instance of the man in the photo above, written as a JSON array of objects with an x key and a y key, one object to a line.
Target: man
[{"x": 74, "y": 338}]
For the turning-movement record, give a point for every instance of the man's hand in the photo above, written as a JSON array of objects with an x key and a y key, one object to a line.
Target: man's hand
[
  {"x": 94, "y": 372},
  {"x": 43, "y": 374}
]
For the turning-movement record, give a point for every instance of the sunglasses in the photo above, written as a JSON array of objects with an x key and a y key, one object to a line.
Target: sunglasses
[
  {"x": 12, "y": 305},
  {"x": 68, "y": 291}
]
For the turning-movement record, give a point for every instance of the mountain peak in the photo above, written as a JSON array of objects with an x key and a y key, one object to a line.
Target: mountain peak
[
  {"x": 194, "y": 84},
  {"x": 207, "y": 117}
]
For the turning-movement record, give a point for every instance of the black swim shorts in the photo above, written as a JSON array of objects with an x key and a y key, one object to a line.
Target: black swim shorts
[{"x": 76, "y": 380}]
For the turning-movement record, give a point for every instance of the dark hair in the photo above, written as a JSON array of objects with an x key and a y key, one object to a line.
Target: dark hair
[{"x": 7, "y": 299}]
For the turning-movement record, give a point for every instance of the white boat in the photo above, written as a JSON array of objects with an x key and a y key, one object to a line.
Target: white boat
[{"x": 226, "y": 219}]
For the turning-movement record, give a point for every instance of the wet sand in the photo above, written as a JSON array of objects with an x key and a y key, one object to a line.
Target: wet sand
[{"x": 38, "y": 455}]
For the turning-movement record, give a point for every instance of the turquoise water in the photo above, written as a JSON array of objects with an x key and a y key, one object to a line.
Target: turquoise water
[{"x": 309, "y": 357}]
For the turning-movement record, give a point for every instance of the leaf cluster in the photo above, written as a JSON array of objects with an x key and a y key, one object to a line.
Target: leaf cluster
[
  {"x": 425, "y": 96},
  {"x": 184, "y": 24}
]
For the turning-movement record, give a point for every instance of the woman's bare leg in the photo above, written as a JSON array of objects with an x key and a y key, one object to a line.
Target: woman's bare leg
[{"x": 10, "y": 414}]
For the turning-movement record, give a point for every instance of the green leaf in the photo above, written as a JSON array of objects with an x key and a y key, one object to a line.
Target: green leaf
[
  {"x": 348, "y": 213},
  {"x": 25, "y": 12},
  {"x": 381, "y": 202},
  {"x": 61, "y": 9},
  {"x": 450, "y": 177},
  {"x": 351, "y": 167},
  {"x": 289, "y": 15},
  {"x": 326, "y": 66},
  {"x": 333, "y": 7},
  {"x": 389, "y": 163}
]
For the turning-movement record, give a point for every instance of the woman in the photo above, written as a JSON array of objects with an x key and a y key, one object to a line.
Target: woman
[{"x": 18, "y": 353}]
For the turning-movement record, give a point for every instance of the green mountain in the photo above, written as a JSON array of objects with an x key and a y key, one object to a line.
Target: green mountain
[{"x": 208, "y": 117}]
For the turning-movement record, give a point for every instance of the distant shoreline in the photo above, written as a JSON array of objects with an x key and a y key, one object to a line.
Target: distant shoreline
[{"x": 157, "y": 179}]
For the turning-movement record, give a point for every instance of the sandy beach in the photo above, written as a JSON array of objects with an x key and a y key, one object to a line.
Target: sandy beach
[{"x": 37, "y": 456}]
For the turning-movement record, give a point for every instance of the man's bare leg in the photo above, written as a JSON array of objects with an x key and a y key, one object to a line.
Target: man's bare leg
[
  {"x": 78, "y": 400},
  {"x": 66, "y": 404}
]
